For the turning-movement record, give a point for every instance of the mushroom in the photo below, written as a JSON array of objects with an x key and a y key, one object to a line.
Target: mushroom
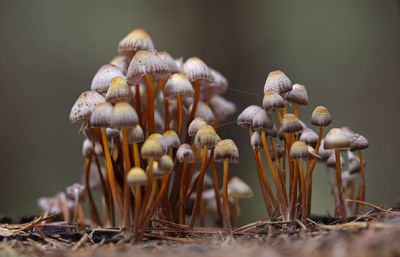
[
  {"x": 136, "y": 40},
  {"x": 337, "y": 140},
  {"x": 238, "y": 189},
  {"x": 76, "y": 193},
  {"x": 297, "y": 96}
]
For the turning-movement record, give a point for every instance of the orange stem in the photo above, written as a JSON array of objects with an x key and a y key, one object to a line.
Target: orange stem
[
  {"x": 166, "y": 106},
  {"x": 180, "y": 114},
  {"x": 227, "y": 219},
  {"x": 127, "y": 191},
  {"x": 150, "y": 104},
  {"x": 339, "y": 185}
]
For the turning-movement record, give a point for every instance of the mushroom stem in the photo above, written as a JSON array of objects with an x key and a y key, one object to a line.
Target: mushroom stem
[
  {"x": 180, "y": 114},
  {"x": 278, "y": 114},
  {"x": 278, "y": 166},
  {"x": 150, "y": 200},
  {"x": 138, "y": 104},
  {"x": 227, "y": 219},
  {"x": 202, "y": 213},
  {"x": 303, "y": 193},
  {"x": 153, "y": 209},
  {"x": 296, "y": 110},
  {"x": 311, "y": 169},
  {"x": 199, "y": 187},
  {"x": 111, "y": 176},
  {"x": 166, "y": 106},
  {"x": 136, "y": 156},
  {"x": 235, "y": 211},
  {"x": 94, "y": 214},
  {"x": 263, "y": 186},
  {"x": 342, "y": 207},
  {"x": 216, "y": 189},
  {"x": 182, "y": 196},
  {"x": 127, "y": 191},
  {"x": 362, "y": 185},
  {"x": 138, "y": 198},
  {"x": 196, "y": 85},
  {"x": 105, "y": 188},
  {"x": 293, "y": 194},
  {"x": 277, "y": 182},
  {"x": 148, "y": 188},
  {"x": 150, "y": 104}
]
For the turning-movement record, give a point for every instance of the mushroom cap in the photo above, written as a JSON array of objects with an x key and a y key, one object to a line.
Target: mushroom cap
[
  {"x": 358, "y": 142},
  {"x": 273, "y": 132},
  {"x": 195, "y": 69},
  {"x": 195, "y": 125},
  {"x": 123, "y": 115},
  {"x": 169, "y": 61},
  {"x": 136, "y": 40},
  {"x": 321, "y": 117},
  {"x": 355, "y": 165},
  {"x": 277, "y": 81},
  {"x": 166, "y": 163},
  {"x": 262, "y": 120},
  {"x": 300, "y": 151},
  {"x": 170, "y": 139},
  {"x": 324, "y": 153},
  {"x": 152, "y": 148},
  {"x": 178, "y": 84},
  {"x": 84, "y": 106},
  {"x": 101, "y": 116},
  {"x": 135, "y": 134},
  {"x": 221, "y": 107},
  {"x": 75, "y": 190},
  {"x": 136, "y": 177},
  {"x": 87, "y": 147},
  {"x": 245, "y": 118},
  {"x": 119, "y": 90},
  {"x": 102, "y": 79},
  {"x": 206, "y": 136},
  {"x": 237, "y": 188},
  {"x": 185, "y": 151},
  {"x": 336, "y": 139},
  {"x": 279, "y": 151},
  {"x": 157, "y": 172},
  {"x": 226, "y": 149},
  {"x": 272, "y": 100},
  {"x": 145, "y": 63},
  {"x": 309, "y": 137},
  {"x": 203, "y": 111},
  {"x": 291, "y": 123},
  {"x": 298, "y": 95},
  {"x": 121, "y": 62},
  {"x": 219, "y": 85}
]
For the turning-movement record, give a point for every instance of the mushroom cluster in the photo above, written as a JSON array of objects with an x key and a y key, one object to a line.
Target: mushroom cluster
[
  {"x": 291, "y": 163},
  {"x": 152, "y": 119}
]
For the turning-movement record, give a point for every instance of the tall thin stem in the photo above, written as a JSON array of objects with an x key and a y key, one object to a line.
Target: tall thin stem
[
  {"x": 339, "y": 185},
  {"x": 362, "y": 185},
  {"x": 150, "y": 104},
  {"x": 228, "y": 225}
]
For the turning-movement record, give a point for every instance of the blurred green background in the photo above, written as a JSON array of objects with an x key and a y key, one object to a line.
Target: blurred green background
[{"x": 347, "y": 53}]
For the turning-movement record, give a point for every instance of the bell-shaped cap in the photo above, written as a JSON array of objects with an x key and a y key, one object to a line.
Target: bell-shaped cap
[
  {"x": 123, "y": 115},
  {"x": 135, "y": 134},
  {"x": 195, "y": 125},
  {"x": 331, "y": 161},
  {"x": 245, "y": 118},
  {"x": 324, "y": 153},
  {"x": 206, "y": 136},
  {"x": 136, "y": 177},
  {"x": 299, "y": 151},
  {"x": 358, "y": 142},
  {"x": 273, "y": 132},
  {"x": 185, "y": 152},
  {"x": 221, "y": 107},
  {"x": 309, "y": 137},
  {"x": 102, "y": 79},
  {"x": 272, "y": 100},
  {"x": 101, "y": 116},
  {"x": 262, "y": 120},
  {"x": 170, "y": 139},
  {"x": 256, "y": 141},
  {"x": 84, "y": 106},
  {"x": 169, "y": 61},
  {"x": 75, "y": 191},
  {"x": 203, "y": 111},
  {"x": 226, "y": 149},
  {"x": 277, "y": 81},
  {"x": 237, "y": 188},
  {"x": 178, "y": 84},
  {"x": 121, "y": 62},
  {"x": 218, "y": 86},
  {"x": 166, "y": 163},
  {"x": 152, "y": 148},
  {"x": 291, "y": 124},
  {"x": 145, "y": 63},
  {"x": 321, "y": 117},
  {"x": 298, "y": 95},
  {"x": 119, "y": 90},
  {"x": 336, "y": 139},
  {"x": 195, "y": 69},
  {"x": 136, "y": 40}
]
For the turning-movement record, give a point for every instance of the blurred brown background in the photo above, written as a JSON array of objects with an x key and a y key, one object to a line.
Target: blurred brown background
[{"x": 346, "y": 52}]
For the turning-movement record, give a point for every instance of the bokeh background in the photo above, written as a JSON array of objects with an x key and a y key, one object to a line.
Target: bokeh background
[{"x": 347, "y": 53}]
